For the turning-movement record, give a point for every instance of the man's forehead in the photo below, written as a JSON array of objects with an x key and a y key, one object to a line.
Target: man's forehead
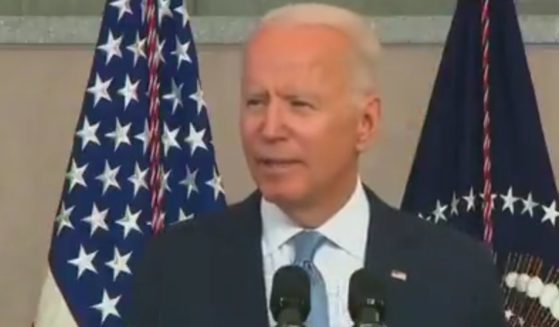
[
  {"x": 296, "y": 55},
  {"x": 297, "y": 39},
  {"x": 288, "y": 62},
  {"x": 290, "y": 71}
]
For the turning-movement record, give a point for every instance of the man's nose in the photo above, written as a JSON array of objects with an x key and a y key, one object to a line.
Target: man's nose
[{"x": 273, "y": 124}]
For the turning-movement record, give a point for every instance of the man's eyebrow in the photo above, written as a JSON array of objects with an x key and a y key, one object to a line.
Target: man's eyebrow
[
  {"x": 287, "y": 94},
  {"x": 256, "y": 92},
  {"x": 299, "y": 95}
]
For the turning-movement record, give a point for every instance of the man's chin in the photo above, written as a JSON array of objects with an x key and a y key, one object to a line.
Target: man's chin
[
  {"x": 283, "y": 197},
  {"x": 274, "y": 197}
]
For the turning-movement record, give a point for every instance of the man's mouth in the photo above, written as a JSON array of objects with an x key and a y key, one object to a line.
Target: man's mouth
[{"x": 277, "y": 163}]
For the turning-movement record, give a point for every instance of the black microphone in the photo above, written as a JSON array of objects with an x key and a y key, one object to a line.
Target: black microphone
[
  {"x": 366, "y": 300},
  {"x": 290, "y": 299}
]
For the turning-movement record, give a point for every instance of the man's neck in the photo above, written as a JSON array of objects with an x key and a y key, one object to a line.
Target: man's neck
[{"x": 317, "y": 211}]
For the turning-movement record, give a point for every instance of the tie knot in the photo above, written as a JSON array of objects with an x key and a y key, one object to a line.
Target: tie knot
[{"x": 306, "y": 243}]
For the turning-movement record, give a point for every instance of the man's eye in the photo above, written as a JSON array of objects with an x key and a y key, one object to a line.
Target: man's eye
[
  {"x": 253, "y": 102},
  {"x": 299, "y": 103}
]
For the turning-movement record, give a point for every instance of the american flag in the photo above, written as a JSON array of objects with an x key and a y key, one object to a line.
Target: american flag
[
  {"x": 482, "y": 164},
  {"x": 130, "y": 138}
]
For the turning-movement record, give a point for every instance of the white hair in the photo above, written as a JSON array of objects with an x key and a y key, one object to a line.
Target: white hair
[{"x": 361, "y": 34}]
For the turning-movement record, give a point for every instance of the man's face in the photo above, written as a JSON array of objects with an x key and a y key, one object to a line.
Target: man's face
[{"x": 301, "y": 128}]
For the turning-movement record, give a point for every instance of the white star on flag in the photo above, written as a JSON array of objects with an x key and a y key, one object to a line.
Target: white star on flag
[
  {"x": 111, "y": 47},
  {"x": 87, "y": 133},
  {"x": 454, "y": 205},
  {"x": 97, "y": 219},
  {"x": 120, "y": 134},
  {"x": 551, "y": 213},
  {"x": 130, "y": 222},
  {"x": 63, "y": 218},
  {"x": 470, "y": 200},
  {"x": 195, "y": 139},
  {"x": 529, "y": 205},
  {"x": 144, "y": 137},
  {"x": 137, "y": 48},
  {"x": 420, "y": 215},
  {"x": 181, "y": 52},
  {"x": 166, "y": 176},
  {"x": 119, "y": 264},
  {"x": 181, "y": 10},
  {"x": 100, "y": 90},
  {"x": 123, "y": 7},
  {"x": 198, "y": 96},
  {"x": 175, "y": 96},
  {"x": 190, "y": 182},
  {"x": 129, "y": 91},
  {"x": 169, "y": 139},
  {"x": 438, "y": 213},
  {"x": 164, "y": 10},
  {"x": 159, "y": 52},
  {"x": 216, "y": 184},
  {"x": 138, "y": 179},
  {"x": 84, "y": 261},
  {"x": 108, "y": 177},
  {"x": 75, "y": 175},
  {"x": 183, "y": 217},
  {"x": 107, "y": 306},
  {"x": 509, "y": 201}
]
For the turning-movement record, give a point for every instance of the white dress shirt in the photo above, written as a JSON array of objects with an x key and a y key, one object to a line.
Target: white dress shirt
[{"x": 347, "y": 232}]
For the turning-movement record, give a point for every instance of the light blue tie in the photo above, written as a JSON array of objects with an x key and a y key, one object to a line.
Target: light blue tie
[{"x": 306, "y": 243}]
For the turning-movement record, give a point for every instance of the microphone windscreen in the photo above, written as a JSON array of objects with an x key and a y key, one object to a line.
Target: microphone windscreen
[
  {"x": 290, "y": 289},
  {"x": 365, "y": 290}
]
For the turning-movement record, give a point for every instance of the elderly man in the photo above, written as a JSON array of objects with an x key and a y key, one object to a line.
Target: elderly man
[{"x": 310, "y": 107}]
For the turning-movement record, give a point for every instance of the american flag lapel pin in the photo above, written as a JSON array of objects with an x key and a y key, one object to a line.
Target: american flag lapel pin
[{"x": 398, "y": 274}]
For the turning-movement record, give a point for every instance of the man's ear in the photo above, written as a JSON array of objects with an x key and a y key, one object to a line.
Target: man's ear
[{"x": 369, "y": 121}]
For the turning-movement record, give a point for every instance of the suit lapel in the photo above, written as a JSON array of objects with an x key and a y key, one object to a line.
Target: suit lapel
[
  {"x": 239, "y": 289},
  {"x": 391, "y": 258},
  {"x": 390, "y": 238}
]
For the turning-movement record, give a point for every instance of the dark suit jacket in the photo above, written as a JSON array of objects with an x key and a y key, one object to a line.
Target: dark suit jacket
[{"x": 207, "y": 272}]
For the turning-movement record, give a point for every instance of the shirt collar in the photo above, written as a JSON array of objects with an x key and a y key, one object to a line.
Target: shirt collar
[
  {"x": 347, "y": 228},
  {"x": 277, "y": 227}
]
